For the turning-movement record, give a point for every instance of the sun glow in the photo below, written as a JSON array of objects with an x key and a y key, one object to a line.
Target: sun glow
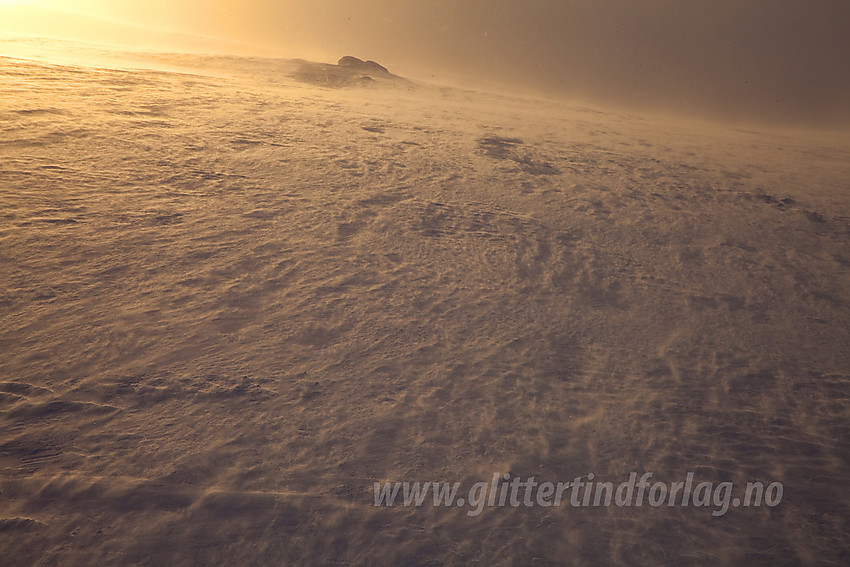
[{"x": 156, "y": 25}]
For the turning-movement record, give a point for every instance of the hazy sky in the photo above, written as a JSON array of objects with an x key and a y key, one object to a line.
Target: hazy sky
[{"x": 765, "y": 58}]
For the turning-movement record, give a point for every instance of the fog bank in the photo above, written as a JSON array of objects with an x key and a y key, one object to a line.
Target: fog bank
[{"x": 775, "y": 61}]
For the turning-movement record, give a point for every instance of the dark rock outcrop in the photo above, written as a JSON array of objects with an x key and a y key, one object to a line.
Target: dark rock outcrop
[
  {"x": 365, "y": 67},
  {"x": 348, "y": 72}
]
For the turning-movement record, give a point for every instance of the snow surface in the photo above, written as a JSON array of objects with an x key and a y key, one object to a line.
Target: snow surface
[{"x": 231, "y": 301}]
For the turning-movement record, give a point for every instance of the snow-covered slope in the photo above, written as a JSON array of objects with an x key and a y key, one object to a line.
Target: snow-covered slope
[{"x": 230, "y": 305}]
